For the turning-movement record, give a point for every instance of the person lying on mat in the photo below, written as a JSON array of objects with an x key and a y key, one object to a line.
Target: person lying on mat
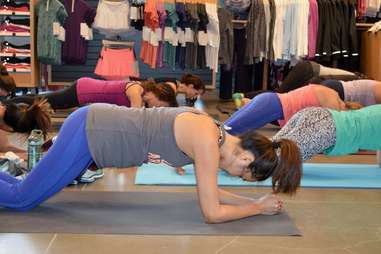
[
  {"x": 123, "y": 93},
  {"x": 316, "y": 130},
  {"x": 192, "y": 86},
  {"x": 269, "y": 107},
  {"x": 114, "y": 136},
  {"x": 308, "y": 72}
]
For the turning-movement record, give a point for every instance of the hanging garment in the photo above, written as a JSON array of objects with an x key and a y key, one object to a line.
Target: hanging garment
[
  {"x": 48, "y": 45},
  {"x": 137, "y": 16},
  {"x": 74, "y": 49},
  {"x": 242, "y": 73},
  {"x": 313, "y": 21},
  {"x": 117, "y": 64},
  {"x": 226, "y": 36},
  {"x": 237, "y": 6},
  {"x": 159, "y": 34},
  {"x": 202, "y": 36},
  {"x": 112, "y": 17},
  {"x": 149, "y": 44},
  {"x": 213, "y": 32},
  {"x": 190, "y": 36},
  {"x": 170, "y": 35},
  {"x": 181, "y": 26}
]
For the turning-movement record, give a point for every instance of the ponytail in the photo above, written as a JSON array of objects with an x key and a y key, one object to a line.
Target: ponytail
[
  {"x": 288, "y": 172},
  {"x": 23, "y": 118},
  {"x": 279, "y": 159},
  {"x": 7, "y": 83}
]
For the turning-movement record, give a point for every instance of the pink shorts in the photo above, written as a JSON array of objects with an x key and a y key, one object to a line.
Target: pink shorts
[{"x": 117, "y": 64}]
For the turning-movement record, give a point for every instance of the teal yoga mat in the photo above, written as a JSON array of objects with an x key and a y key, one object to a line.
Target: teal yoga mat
[{"x": 314, "y": 175}]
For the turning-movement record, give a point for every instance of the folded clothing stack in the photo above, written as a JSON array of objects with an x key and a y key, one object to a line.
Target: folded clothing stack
[
  {"x": 7, "y": 47},
  {"x": 15, "y": 25},
  {"x": 16, "y": 64},
  {"x": 13, "y": 7}
]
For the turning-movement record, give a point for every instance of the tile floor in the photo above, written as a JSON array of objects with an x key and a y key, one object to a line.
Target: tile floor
[{"x": 332, "y": 221}]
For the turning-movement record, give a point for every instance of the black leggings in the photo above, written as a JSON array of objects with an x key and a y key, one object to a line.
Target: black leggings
[
  {"x": 61, "y": 99},
  {"x": 301, "y": 75}
]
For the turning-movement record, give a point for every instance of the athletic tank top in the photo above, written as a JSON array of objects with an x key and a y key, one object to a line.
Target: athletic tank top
[
  {"x": 356, "y": 129},
  {"x": 93, "y": 90},
  {"x": 296, "y": 100},
  {"x": 360, "y": 91},
  {"x": 126, "y": 137}
]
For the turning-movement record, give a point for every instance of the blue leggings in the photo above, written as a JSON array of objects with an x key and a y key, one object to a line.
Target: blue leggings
[
  {"x": 66, "y": 159},
  {"x": 262, "y": 109}
]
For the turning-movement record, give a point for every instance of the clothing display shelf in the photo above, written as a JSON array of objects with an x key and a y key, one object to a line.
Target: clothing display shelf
[{"x": 18, "y": 41}]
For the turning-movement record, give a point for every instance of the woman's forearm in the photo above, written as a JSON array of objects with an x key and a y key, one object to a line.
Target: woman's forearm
[
  {"x": 229, "y": 198},
  {"x": 234, "y": 212}
]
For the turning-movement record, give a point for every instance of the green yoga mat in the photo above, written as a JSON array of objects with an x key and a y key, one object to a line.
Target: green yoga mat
[
  {"x": 314, "y": 175},
  {"x": 138, "y": 213}
]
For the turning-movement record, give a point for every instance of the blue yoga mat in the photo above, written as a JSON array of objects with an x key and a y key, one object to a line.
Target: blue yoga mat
[{"x": 314, "y": 175}]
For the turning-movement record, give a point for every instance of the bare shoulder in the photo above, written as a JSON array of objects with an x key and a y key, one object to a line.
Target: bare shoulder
[
  {"x": 133, "y": 87},
  {"x": 194, "y": 121},
  {"x": 195, "y": 130}
]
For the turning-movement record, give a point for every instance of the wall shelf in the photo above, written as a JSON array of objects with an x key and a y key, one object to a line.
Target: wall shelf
[{"x": 30, "y": 77}]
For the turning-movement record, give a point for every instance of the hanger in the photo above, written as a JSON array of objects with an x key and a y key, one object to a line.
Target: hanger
[
  {"x": 239, "y": 23},
  {"x": 118, "y": 44}
]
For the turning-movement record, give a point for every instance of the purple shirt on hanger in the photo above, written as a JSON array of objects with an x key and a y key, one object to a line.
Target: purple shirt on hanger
[{"x": 74, "y": 49}]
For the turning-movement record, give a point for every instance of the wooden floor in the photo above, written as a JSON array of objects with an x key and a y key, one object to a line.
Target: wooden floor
[{"x": 332, "y": 221}]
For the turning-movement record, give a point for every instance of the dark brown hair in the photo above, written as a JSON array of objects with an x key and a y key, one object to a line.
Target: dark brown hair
[
  {"x": 7, "y": 83},
  {"x": 196, "y": 81},
  {"x": 280, "y": 159},
  {"x": 163, "y": 91},
  {"x": 25, "y": 118}
]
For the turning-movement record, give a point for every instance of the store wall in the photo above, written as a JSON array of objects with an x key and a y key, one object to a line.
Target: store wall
[{"x": 67, "y": 73}]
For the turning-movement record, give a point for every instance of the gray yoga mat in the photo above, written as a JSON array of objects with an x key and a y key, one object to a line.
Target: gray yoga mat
[{"x": 140, "y": 213}]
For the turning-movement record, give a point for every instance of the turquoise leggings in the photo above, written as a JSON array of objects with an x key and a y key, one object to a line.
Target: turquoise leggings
[{"x": 66, "y": 159}]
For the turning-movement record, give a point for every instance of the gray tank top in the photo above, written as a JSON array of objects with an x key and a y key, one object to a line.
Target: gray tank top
[{"x": 126, "y": 137}]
